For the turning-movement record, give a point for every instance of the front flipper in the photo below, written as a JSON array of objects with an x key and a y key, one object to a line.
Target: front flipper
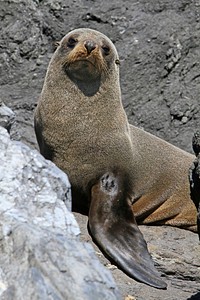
[{"x": 114, "y": 229}]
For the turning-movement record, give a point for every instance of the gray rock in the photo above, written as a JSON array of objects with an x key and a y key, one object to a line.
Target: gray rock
[
  {"x": 7, "y": 116},
  {"x": 176, "y": 255},
  {"x": 41, "y": 254}
]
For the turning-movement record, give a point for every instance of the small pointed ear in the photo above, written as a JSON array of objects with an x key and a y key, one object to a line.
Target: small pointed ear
[
  {"x": 117, "y": 61},
  {"x": 114, "y": 229}
]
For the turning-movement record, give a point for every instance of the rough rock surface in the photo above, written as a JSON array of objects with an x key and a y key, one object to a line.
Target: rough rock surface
[
  {"x": 158, "y": 44},
  {"x": 41, "y": 253},
  {"x": 157, "y": 41},
  {"x": 7, "y": 116},
  {"x": 176, "y": 255}
]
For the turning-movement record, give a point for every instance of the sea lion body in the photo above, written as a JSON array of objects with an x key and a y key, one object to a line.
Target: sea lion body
[
  {"x": 82, "y": 141},
  {"x": 163, "y": 195},
  {"x": 81, "y": 125}
]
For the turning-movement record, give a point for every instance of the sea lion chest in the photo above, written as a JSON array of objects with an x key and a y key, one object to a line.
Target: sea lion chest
[{"x": 87, "y": 137}]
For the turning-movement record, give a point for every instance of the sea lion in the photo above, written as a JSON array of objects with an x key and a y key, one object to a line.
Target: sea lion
[{"x": 120, "y": 174}]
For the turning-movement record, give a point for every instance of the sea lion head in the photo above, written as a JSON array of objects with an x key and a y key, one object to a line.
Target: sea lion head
[{"x": 87, "y": 58}]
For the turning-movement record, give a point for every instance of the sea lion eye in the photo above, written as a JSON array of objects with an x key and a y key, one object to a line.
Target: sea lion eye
[
  {"x": 106, "y": 50},
  {"x": 71, "y": 42}
]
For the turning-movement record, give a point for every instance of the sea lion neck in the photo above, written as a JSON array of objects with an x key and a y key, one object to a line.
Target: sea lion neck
[
  {"x": 65, "y": 85},
  {"x": 88, "y": 86}
]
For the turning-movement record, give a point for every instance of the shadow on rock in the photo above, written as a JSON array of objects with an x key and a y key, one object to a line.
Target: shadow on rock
[
  {"x": 195, "y": 297},
  {"x": 194, "y": 177}
]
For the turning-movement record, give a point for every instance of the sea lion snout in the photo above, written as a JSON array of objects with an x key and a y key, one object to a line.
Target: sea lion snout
[{"x": 90, "y": 46}]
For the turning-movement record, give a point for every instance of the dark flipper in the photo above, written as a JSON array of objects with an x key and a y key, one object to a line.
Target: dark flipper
[{"x": 113, "y": 227}]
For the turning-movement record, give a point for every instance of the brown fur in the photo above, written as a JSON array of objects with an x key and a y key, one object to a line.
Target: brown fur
[
  {"x": 82, "y": 124},
  {"x": 86, "y": 133},
  {"x": 163, "y": 169}
]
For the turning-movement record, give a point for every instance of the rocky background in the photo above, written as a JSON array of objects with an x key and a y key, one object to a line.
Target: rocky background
[{"x": 159, "y": 48}]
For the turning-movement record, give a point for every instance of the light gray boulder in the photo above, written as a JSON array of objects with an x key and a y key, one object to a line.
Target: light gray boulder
[
  {"x": 7, "y": 116},
  {"x": 41, "y": 254}
]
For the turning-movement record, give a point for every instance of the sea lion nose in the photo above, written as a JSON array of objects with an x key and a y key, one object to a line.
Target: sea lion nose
[{"x": 90, "y": 46}]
